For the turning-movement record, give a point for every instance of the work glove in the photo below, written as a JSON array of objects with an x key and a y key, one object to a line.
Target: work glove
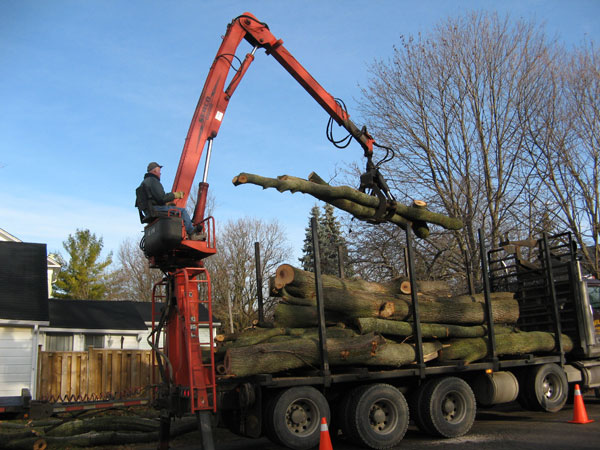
[{"x": 178, "y": 194}]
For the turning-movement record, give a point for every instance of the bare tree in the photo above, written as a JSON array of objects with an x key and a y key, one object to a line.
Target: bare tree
[
  {"x": 233, "y": 269},
  {"x": 564, "y": 146},
  {"x": 133, "y": 279},
  {"x": 450, "y": 101}
]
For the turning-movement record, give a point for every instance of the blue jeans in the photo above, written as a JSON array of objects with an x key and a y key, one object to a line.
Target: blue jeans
[{"x": 187, "y": 221}]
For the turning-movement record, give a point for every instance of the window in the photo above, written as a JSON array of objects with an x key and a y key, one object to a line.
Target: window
[
  {"x": 59, "y": 342},
  {"x": 594, "y": 295},
  {"x": 94, "y": 340}
]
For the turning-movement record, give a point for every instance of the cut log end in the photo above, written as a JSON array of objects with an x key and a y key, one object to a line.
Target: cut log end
[
  {"x": 387, "y": 310},
  {"x": 240, "y": 179},
  {"x": 40, "y": 444},
  {"x": 405, "y": 287},
  {"x": 283, "y": 276},
  {"x": 419, "y": 204}
]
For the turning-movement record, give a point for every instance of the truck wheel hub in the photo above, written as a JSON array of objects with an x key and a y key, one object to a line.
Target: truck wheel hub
[
  {"x": 449, "y": 407},
  {"x": 377, "y": 416},
  {"x": 298, "y": 416}
]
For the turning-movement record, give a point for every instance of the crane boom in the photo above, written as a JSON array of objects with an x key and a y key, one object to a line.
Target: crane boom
[
  {"x": 214, "y": 98},
  {"x": 186, "y": 364}
]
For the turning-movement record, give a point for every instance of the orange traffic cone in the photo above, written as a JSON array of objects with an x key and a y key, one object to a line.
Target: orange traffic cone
[
  {"x": 579, "y": 413},
  {"x": 325, "y": 441}
]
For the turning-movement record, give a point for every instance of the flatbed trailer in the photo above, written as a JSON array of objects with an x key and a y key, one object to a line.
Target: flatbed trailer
[{"x": 373, "y": 407}]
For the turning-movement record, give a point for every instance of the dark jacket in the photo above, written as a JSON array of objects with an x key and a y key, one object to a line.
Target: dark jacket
[{"x": 156, "y": 190}]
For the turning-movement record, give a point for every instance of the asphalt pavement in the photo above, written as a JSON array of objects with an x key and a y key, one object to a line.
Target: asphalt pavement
[{"x": 503, "y": 427}]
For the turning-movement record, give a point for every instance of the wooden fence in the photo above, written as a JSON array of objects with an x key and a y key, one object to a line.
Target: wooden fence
[{"x": 94, "y": 375}]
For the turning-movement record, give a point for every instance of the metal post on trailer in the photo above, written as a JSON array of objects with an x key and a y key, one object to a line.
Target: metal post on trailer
[
  {"x": 320, "y": 306},
  {"x": 340, "y": 261},
  {"x": 259, "y": 283},
  {"x": 413, "y": 295},
  {"x": 555, "y": 310},
  {"x": 489, "y": 316}
]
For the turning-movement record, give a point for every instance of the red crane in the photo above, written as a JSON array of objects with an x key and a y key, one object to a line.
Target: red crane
[{"x": 189, "y": 382}]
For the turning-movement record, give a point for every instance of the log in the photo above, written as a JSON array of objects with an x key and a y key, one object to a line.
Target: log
[
  {"x": 503, "y": 311},
  {"x": 10, "y": 435},
  {"x": 294, "y": 316},
  {"x": 277, "y": 334},
  {"x": 428, "y": 330},
  {"x": 349, "y": 304},
  {"x": 360, "y": 205},
  {"x": 298, "y": 353},
  {"x": 256, "y": 336},
  {"x": 319, "y": 189},
  {"x": 417, "y": 213},
  {"x": 297, "y": 286},
  {"x": 519, "y": 343},
  {"x": 94, "y": 438},
  {"x": 397, "y": 355},
  {"x": 301, "y": 283},
  {"x": 479, "y": 298},
  {"x": 369, "y": 350},
  {"x": 107, "y": 423},
  {"x": 429, "y": 287},
  {"x": 335, "y": 332}
]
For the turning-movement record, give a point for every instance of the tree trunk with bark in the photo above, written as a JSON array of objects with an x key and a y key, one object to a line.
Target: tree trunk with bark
[
  {"x": 520, "y": 343},
  {"x": 295, "y": 316},
  {"x": 398, "y": 355},
  {"x": 275, "y": 334},
  {"x": 480, "y": 298},
  {"x": 298, "y": 353},
  {"x": 428, "y": 330},
  {"x": 93, "y": 432},
  {"x": 360, "y": 205},
  {"x": 301, "y": 283}
]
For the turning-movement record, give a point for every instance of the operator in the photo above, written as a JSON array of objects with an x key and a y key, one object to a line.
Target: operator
[{"x": 163, "y": 202}]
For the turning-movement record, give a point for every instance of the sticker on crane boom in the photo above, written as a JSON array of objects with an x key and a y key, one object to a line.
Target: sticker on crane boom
[{"x": 219, "y": 116}]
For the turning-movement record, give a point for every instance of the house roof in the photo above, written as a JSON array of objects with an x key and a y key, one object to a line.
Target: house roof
[
  {"x": 104, "y": 314},
  {"x": 145, "y": 310},
  {"x": 95, "y": 315},
  {"x": 23, "y": 282}
]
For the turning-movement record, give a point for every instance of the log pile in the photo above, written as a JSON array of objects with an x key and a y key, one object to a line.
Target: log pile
[
  {"x": 371, "y": 324},
  {"x": 87, "y": 432},
  {"x": 360, "y": 205}
]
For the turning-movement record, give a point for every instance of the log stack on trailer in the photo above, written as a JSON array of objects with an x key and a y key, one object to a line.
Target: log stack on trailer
[
  {"x": 369, "y": 357},
  {"x": 371, "y": 324}
]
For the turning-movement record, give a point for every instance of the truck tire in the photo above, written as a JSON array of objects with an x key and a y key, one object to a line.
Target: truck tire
[
  {"x": 293, "y": 417},
  {"x": 340, "y": 416},
  {"x": 377, "y": 416},
  {"x": 523, "y": 397},
  {"x": 543, "y": 388},
  {"x": 415, "y": 400},
  {"x": 447, "y": 407}
]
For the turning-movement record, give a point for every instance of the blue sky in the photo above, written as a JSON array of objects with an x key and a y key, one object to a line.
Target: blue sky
[{"x": 91, "y": 91}]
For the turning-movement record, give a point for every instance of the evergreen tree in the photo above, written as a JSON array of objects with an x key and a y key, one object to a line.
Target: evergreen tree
[
  {"x": 330, "y": 237},
  {"x": 332, "y": 243},
  {"x": 307, "y": 259},
  {"x": 83, "y": 276}
]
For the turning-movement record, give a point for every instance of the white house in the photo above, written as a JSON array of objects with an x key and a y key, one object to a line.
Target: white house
[
  {"x": 23, "y": 310},
  {"x": 53, "y": 265},
  {"x": 30, "y": 320}
]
